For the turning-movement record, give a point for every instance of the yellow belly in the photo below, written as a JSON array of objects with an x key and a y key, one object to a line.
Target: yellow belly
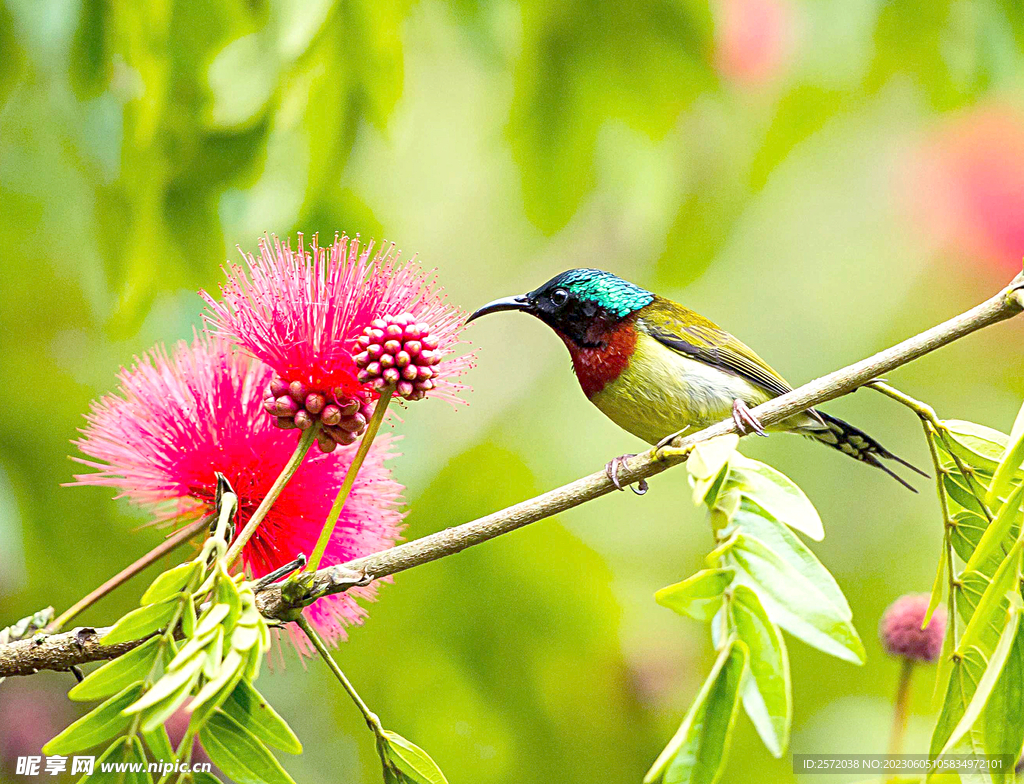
[{"x": 661, "y": 392}]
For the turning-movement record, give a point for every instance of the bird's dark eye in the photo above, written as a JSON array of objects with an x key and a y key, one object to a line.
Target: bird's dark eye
[{"x": 559, "y": 297}]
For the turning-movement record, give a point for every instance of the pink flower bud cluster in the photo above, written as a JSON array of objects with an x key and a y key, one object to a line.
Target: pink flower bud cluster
[
  {"x": 343, "y": 419},
  {"x": 901, "y": 633},
  {"x": 401, "y": 352}
]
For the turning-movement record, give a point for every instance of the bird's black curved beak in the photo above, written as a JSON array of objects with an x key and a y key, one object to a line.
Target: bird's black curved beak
[{"x": 522, "y": 302}]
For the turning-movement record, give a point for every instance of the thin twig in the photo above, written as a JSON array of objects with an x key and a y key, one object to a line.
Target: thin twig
[
  {"x": 371, "y": 718},
  {"x": 20, "y": 658},
  {"x": 350, "y": 479}
]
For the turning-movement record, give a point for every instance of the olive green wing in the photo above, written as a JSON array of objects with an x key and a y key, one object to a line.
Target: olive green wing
[{"x": 694, "y": 336}]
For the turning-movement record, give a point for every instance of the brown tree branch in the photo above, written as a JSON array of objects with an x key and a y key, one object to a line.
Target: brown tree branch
[{"x": 61, "y": 651}]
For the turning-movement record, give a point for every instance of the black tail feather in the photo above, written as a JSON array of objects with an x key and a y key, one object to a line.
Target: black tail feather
[{"x": 854, "y": 442}]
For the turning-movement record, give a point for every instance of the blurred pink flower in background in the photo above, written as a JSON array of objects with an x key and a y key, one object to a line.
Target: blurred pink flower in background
[
  {"x": 32, "y": 710},
  {"x": 179, "y": 418},
  {"x": 966, "y": 185},
  {"x": 754, "y": 40}
]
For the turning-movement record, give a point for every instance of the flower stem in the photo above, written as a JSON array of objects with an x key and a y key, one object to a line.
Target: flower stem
[
  {"x": 305, "y": 442},
  {"x": 371, "y": 718},
  {"x": 350, "y": 479},
  {"x": 170, "y": 544},
  {"x": 899, "y": 716}
]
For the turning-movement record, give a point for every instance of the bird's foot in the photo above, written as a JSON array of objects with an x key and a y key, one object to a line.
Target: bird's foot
[
  {"x": 612, "y": 471},
  {"x": 745, "y": 420}
]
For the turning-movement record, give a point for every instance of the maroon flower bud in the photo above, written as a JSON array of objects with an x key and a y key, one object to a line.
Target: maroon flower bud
[
  {"x": 386, "y": 361},
  {"x": 286, "y": 406},
  {"x": 270, "y": 406},
  {"x": 901, "y": 633},
  {"x": 331, "y": 415},
  {"x": 303, "y": 420},
  {"x": 278, "y": 386},
  {"x": 315, "y": 403},
  {"x": 325, "y": 443},
  {"x": 298, "y": 391},
  {"x": 410, "y": 372},
  {"x": 402, "y": 359},
  {"x": 393, "y": 347},
  {"x": 349, "y": 407},
  {"x": 285, "y": 423},
  {"x": 339, "y": 436},
  {"x": 361, "y": 360},
  {"x": 405, "y": 389},
  {"x": 354, "y": 423}
]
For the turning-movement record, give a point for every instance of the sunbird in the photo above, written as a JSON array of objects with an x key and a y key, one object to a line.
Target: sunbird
[{"x": 656, "y": 368}]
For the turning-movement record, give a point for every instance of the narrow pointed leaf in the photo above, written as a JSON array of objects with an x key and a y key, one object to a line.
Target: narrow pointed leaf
[
  {"x": 998, "y": 531},
  {"x": 777, "y": 494},
  {"x": 767, "y": 692},
  {"x": 170, "y": 582},
  {"x": 142, "y": 622},
  {"x": 697, "y": 752},
  {"x": 792, "y": 601},
  {"x": 977, "y": 445},
  {"x": 986, "y": 684},
  {"x": 124, "y": 750},
  {"x": 240, "y": 754},
  {"x": 412, "y": 761},
  {"x": 102, "y": 723},
  {"x": 115, "y": 675},
  {"x": 1003, "y": 718},
  {"x": 248, "y": 707},
  {"x": 159, "y": 744},
  {"x": 699, "y": 596},
  {"x": 752, "y": 519},
  {"x": 1010, "y": 464}
]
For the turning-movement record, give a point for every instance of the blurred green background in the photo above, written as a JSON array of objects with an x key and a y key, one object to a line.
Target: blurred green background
[{"x": 821, "y": 178}]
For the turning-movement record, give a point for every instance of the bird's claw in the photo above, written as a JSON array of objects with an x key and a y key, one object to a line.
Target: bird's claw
[
  {"x": 612, "y": 471},
  {"x": 745, "y": 420}
]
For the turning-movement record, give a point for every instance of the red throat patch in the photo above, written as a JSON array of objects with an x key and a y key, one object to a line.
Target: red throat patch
[{"x": 597, "y": 367}]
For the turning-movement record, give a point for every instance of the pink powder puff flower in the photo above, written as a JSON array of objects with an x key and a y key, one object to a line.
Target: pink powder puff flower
[
  {"x": 338, "y": 325},
  {"x": 180, "y": 418},
  {"x": 901, "y": 633}
]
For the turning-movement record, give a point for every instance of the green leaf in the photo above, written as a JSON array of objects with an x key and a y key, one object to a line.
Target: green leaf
[
  {"x": 205, "y": 778},
  {"x": 776, "y": 493},
  {"x": 1009, "y": 465},
  {"x": 1004, "y": 583},
  {"x": 159, "y": 743},
  {"x": 171, "y": 682},
  {"x": 100, "y": 724},
  {"x": 412, "y": 761},
  {"x": 977, "y": 445},
  {"x": 767, "y": 694},
  {"x": 115, "y": 675},
  {"x": 696, "y": 754},
  {"x": 699, "y": 596},
  {"x": 1004, "y": 710},
  {"x": 968, "y": 529},
  {"x": 240, "y": 754},
  {"x": 751, "y": 519},
  {"x": 248, "y": 707},
  {"x": 127, "y": 750},
  {"x": 987, "y": 682},
  {"x": 142, "y": 622},
  {"x": 708, "y": 466},
  {"x": 794, "y": 602},
  {"x": 998, "y": 531},
  {"x": 170, "y": 582},
  {"x": 708, "y": 458}
]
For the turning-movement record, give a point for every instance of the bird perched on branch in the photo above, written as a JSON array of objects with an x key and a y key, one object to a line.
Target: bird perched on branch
[{"x": 656, "y": 368}]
